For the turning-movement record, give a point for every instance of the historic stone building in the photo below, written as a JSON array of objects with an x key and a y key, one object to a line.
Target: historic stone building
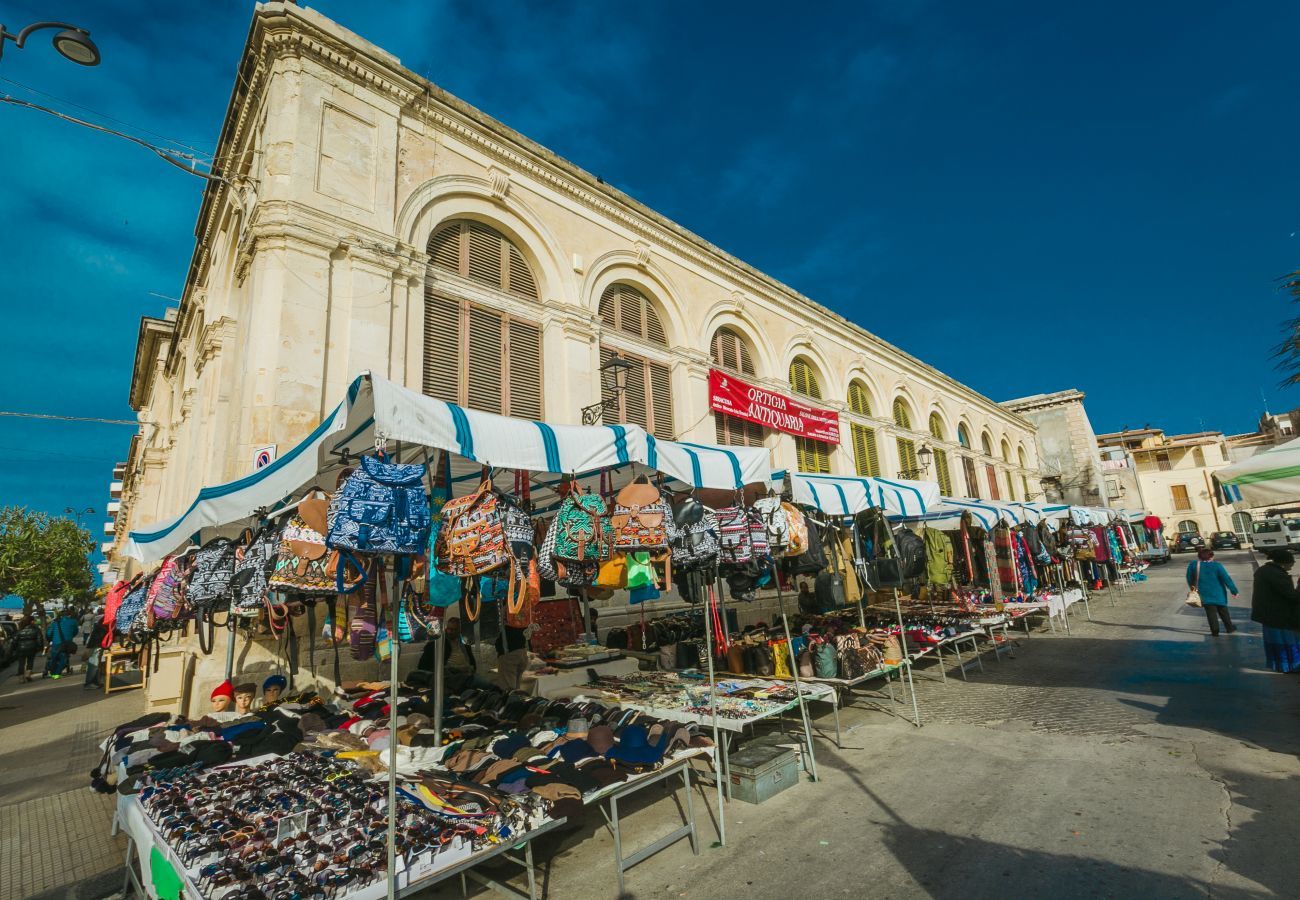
[
  {"x": 1067, "y": 448},
  {"x": 367, "y": 220}
]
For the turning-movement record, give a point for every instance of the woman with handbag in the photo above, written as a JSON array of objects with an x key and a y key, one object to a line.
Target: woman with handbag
[
  {"x": 27, "y": 643},
  {"x": 1275, "y": 604},
  {"x": 1210, "y": 582}
]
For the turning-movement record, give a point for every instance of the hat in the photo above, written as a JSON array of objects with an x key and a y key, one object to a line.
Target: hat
[
  {"x": 247, "y": 687},
  {"x": 225, "y": 689},
  {"x": 577, "y": 728},
  {"x": 542, "y": 738},
  {"x": 275, "y": 681},
  {"x": 506, "y": 746},
  {"x": 574, "y": 750},
  {"x": 634, "y": 748},
  {"x": 601, "y": 738}
]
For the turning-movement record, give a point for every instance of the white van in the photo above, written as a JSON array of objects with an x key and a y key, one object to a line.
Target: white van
[{"x": 1275, "y": 531}]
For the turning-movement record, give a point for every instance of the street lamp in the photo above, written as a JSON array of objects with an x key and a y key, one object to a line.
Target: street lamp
[
  {"x": 613, "y": 378},
  {"x": 71, "y": 42},
  {"x": 78, "y": 513},
  {"x": 925, "y": 455}
]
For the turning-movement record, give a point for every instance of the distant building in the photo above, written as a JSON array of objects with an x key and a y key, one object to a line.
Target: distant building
[
  {"x": 1171, "y": 476},
  {"x": 1272, "y": 430},
  {"x": 1069, "y": 463}
]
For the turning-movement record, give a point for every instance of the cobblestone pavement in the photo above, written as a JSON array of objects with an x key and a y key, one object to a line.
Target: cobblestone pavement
[{"x": 54, "y": 831}]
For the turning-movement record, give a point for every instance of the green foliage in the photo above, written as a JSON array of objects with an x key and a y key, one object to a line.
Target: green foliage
[
  {"x": 43, "y": 557},
  {"x": 1287, "y": 353}
]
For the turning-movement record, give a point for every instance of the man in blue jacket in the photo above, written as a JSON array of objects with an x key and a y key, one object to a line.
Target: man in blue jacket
[{"x": 62, "y": 632}]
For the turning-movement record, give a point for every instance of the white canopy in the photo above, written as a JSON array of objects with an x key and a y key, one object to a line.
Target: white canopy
[
  {"x": 1038, "y": 512},
  {"x": 1269, "y": 478},
  {"x": 843, "y": 495},
  {"x": 1092, "y": 515},
  {"x": 378, "y": 408},
  {"x": 948, "y": 512}
]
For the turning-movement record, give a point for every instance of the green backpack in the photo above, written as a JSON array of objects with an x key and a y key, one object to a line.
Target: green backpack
[
  {"x": 582, "y": 529},
  {"x": 825, "y": 662}
]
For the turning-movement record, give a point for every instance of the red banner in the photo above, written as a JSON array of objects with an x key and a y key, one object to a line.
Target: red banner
[{"x": 728, "y": 394}]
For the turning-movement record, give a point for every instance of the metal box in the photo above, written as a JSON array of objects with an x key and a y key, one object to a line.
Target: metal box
[{"x": 759, "y": 772}]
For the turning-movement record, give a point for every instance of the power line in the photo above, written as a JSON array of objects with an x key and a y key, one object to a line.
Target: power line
[{"x": 23, "y": 415}]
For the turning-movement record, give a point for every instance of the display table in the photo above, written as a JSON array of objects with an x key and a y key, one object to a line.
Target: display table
[
  {"x": 143, "y": 840},
  {"x": 549, "y": 685}
]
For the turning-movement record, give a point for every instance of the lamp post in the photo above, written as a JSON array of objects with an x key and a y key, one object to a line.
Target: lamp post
[
  {"x": 925, "y": 455},
  {"x": 78, "y": 513},
  {"x": 613, "y": 378},
  {"x": 71, "y": 42}
]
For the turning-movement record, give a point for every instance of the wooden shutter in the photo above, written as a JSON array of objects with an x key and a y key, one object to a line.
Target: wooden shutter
[
  {"x": 972, "y": 482},
  {"x": 737, "y": 432},
  {"x": 444, "y": 248},
  {"x": 442, "y": 346},
  {"x": 859, "y": 402},
  {"x": 812, "y": 456},
  {"x": 729, "y": 351},
  {"x": 992, "y": 475},
  {"x": 630, "y": 311},
  {"x": 484, "y": 255},
  {"x": 1181, "y": 500},
  {"x": 1011, "y": 486},
  {"x": 907, "y": 458},
  {"x": 803, "y": 380},
  {"x": 901, "y": 418},
  {"x": 661, "y": 400},
  {"x": 524, "y": 356},
  {"x": 481, "y": 253},
  {"x": 625, "y": 309},
  {"x": 941, "y": 470},
  {"x": 520, "y": 281},
  {"x": 866, "y": 459},
  {"x": 634, "y": 405},
  {"x": 484, "y": 362},
  {"x": 1024, "y": 487}
]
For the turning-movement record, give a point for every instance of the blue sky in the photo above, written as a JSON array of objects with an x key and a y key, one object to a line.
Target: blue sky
[{"x": 1096, "y": 196}]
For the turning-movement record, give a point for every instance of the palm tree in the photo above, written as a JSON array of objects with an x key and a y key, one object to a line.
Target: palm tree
[{"x": 1287, "y": 353}]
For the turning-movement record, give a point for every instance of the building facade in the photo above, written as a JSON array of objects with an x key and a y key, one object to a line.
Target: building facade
[
  {"x": 367, "y": 220},
  {"x": 1069, "y": 462},
  {"x": 1172, "y": 477}
]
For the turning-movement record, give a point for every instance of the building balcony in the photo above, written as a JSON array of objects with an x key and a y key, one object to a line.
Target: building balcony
[
  {"x": 115, "y": 490},
  {"x": 106, "y": 547},
  {"x": 110, "y": 528},
  {"x": 114, "y": 507}
]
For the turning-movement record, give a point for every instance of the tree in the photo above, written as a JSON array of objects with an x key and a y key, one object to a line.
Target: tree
[
  {"x": 1287, "y": 353},
  {"x": 43, "y": 558}
]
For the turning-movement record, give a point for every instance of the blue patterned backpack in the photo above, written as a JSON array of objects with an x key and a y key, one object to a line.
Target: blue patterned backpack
[{"x": 381, "y": 508}]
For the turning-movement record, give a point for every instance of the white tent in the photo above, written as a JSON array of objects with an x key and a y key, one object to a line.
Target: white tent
[
  {"x": 947, "y": 513},
  {"x": 412, "y": 424},
  {"x": 842, "y": 495},
  {"x": 1269, "y": 478}
]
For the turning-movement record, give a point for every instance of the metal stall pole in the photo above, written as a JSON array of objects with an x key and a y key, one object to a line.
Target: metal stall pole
[
  {"x": 394, "y": 643},
  {"x": 907, "y": 660},
  {"x": 719, "y": 750},
  {"x": 439, "y": 659},
  {"x": 798, "y": 685}
]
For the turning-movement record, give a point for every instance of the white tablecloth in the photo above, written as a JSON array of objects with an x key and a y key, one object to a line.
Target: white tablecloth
[{"x": 550, "y": 685}]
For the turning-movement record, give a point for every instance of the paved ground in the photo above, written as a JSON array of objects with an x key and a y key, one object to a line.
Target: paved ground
[{"x": 1137, "y": 756}]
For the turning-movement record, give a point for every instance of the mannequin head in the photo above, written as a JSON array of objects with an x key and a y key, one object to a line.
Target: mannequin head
[
  {"x": 222, "y": 696},
  {"x": 272, "y": 688},
  {"x": 244, "y": 695}
]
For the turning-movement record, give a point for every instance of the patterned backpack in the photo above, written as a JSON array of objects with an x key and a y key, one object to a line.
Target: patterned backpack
[
  {"x": 581, "y": 529},
  {"x": 381, "y": 508},
  {"x": 132, "y": 606},
  {"x": 757, "y": 533},
  {"x": 472, "y": 540},
  {"x": 253, "y": 571},
  {"x": 213, "y": 568},
  {"x": 166, "y": 598},
  {"x": 735, "y": 538},
  {"x": 641, "y": 519},
  {"x": 776, "y": 523},
  {"x": 797, "y": 530},
  {"x": 696, "y": 544},
  {"x": 302, "y": 563}
]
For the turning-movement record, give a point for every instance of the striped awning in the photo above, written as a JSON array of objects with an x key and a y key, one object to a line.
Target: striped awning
[
  {"x": 842, "y": 495},
  {"x": 412, "y": 425},
  {"x": 1269, "y": 478}
]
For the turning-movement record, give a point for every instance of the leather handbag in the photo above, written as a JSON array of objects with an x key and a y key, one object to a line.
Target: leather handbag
[
  {"x": 302, "y": 564},
  {"x": 641, "y": 519},
  {"x": 1194, "y": 592}
]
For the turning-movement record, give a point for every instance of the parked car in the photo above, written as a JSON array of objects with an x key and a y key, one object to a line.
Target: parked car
[
  {"x": 1187, "y": 542},
  {"x": 1225, "y": 540}
]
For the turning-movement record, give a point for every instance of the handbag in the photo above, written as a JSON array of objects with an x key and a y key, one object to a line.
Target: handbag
[
  {"x": 303, "y": 562},
  {"x": 641, "y": 519},
  {"x": 613, "y": 572},
  {"x": 1194, "y": 593},
  {"x": 472, "y": 540}
]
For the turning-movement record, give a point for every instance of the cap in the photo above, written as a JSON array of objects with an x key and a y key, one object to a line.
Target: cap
[
  {"x": 275, "y": 681},
  {"x": 225, "y": 689}
]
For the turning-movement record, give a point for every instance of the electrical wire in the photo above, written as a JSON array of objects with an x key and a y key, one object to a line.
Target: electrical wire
[
  {"x": 24, "y": 415},
  {"x": 168, "y": 155}
]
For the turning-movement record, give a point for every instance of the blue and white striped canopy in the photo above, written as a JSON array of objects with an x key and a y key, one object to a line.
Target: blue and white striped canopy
[
  {"x": 412, "y": 424},
  {"x": 947, "y": 513},
  {"x": 1039, "y": 512},
  {"x": 841, "y": 495},
  {"x": 1092, "y": 515}
]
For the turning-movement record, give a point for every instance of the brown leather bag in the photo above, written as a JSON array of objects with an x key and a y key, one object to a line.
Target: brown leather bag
[{"x": 640, "y": 517}]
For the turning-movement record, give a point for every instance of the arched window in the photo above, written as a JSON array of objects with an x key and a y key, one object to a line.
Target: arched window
[
  {"x": 986, "y": 444},
  {"x": 1241, "y": 524},
  {"x": 963, "y": 436},
  {"x": 940, "y": 456},
  {"x": 908, "y": 466},
  {"x": 968, "y": 464},
  {"x": 866, "y": 458},
  {"x": 648, "y": 399},
  {"x": 475, "y": 354},
  {"x": 1024, "y": 476},
  {"x": 1187, "y": 526},
  {"x": 811, "y": 456},
  {"x": 729, "y": 351}
]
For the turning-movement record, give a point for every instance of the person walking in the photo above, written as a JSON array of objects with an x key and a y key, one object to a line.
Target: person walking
[
  {"x": 1214, "y": 584},
  {"x": 27, "y": 643},
  {"x": 62, "y": 635},
  {"x": 95, "y": 646},
  {"x": 1275, "y": 604}
]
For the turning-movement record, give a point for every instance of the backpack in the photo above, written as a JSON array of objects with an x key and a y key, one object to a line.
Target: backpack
[
  {"x": 166, "y": 596},
  {"x": 212, "y": 570},
  {"x": 813, "y": 559},
  {"x": 381, "y": 508},
  {"x": 696, "y": 546},
  {"x": 581, "y": 531},
  {"x": 472, "y": 540},
  {"x": 797, "y": 529},
  {"x": 771, "y": 512},
  {"x": 132, "y": 612},
  {"x": 641, "y": 519},
  {"x": 735, "y": 537},
  {"x": 302, "y": 562},
  {"x": 910, "y": 549},
  {"x": 253, "y": 571},
  {"x": 757, "y": 533}
]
